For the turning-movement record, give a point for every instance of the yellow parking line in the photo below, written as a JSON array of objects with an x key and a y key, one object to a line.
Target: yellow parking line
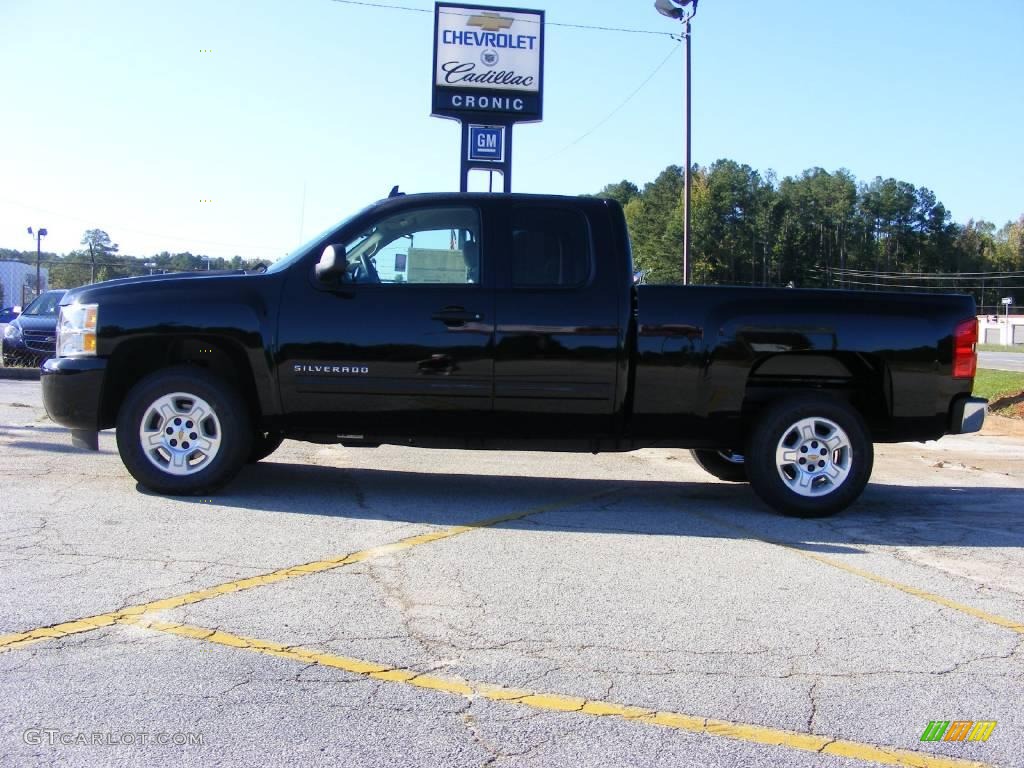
[
  {"x": 33, "y": 636},
  {"x": 991, "y": 618},
  {"x": 977, "y": 613},
  {"x": 553, "y": 702}
]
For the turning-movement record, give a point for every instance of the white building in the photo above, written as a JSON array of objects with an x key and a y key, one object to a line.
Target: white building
[
  {"x": 1000, "y": 329},
  {"x": 17, "y": 283}
]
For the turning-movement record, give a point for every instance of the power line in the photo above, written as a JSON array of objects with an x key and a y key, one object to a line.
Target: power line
[
  {"x": 618, "y": 109},
  {"x": 587, "y": 27},
  {"x": 993, "y": 275},
  {"x": 926, "y": 278},
  {"x": 918, "y": 287},
  {"x": 388, "y": 6}
]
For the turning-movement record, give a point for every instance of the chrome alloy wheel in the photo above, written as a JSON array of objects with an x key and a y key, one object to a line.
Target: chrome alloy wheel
[
  {"x": 180, "y": 433},
  {"x": 814, "y": 457}
]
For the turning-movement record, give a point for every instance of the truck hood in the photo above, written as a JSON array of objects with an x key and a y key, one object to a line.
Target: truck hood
[
  {"x": 135, "y": 285},
  {"x": 38, "y": 323}
]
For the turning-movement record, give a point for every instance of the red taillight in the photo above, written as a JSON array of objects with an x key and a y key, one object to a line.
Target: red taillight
[{"x": 965, "y": 356}]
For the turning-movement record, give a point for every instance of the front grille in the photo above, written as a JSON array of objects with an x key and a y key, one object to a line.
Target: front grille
[{"x": 41, "y": 341}]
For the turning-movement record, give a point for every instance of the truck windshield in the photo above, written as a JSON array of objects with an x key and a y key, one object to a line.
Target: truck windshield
[
  {"x": 47, "y": 304},
  {"x": 296, "y": 255}
]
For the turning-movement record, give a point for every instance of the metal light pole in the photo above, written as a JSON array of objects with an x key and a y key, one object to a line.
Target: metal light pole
[
  {"x": 674, "y": 9},
  {"x": 39, "y": 235},
  {"x": 689, "y": 161}
]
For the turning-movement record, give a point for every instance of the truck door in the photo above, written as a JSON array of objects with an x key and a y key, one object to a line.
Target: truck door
[
  {"x": 558, "y": 340},
  {"x": 403, "y": 343}
]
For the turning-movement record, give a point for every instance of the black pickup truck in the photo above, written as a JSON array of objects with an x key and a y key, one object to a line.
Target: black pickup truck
[{"x": 506, "y": 322}]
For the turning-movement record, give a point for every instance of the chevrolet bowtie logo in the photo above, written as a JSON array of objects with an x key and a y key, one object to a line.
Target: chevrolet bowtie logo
[{"x": 489, "y": 22}]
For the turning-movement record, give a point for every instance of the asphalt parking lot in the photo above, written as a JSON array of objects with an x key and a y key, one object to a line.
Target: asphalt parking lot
[{"x": 396, "y": 607}]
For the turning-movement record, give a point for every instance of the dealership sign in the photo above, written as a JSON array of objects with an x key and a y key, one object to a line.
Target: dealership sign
[{"x": 488, "y": 62}]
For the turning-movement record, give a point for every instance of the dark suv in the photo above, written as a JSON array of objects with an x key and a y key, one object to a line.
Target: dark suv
[{"x": 31, "y": 337}]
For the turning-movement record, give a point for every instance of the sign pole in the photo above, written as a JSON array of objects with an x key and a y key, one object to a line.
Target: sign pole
[
  {"x": 488, "y": 148},
  {"x": 464, "y": 162}
]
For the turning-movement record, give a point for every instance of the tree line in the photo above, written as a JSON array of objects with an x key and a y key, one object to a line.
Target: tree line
[
  {"x": 99, "y": 259},
  {"x": 818, "y": 229},
  {"x": 815, "y": 230}
]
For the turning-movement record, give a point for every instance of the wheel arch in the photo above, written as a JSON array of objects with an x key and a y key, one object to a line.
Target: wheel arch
[
  {"x": 137, "y": 358},
  {"x": 862, "y": 380}
]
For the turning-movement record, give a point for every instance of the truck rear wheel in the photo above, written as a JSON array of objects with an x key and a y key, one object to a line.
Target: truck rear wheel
[
  {"x": 725, "y": 465},
  {"x": 183, "y": 431},
  {"x": 809, "y": 456}
]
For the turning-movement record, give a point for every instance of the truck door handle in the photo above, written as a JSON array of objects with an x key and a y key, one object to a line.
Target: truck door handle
[{"x": 456, "y": 316}]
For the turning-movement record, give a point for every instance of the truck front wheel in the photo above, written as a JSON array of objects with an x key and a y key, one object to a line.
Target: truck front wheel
[
  {"x": 183, "y": 431},
  {"x": 809, "y": 456},
  {"x": 725, "y": 465}
]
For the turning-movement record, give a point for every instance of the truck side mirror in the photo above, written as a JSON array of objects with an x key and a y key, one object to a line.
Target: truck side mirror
[{"x": 332, "y": 263}]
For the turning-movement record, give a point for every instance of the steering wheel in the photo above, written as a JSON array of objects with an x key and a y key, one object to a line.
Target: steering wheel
[{"x": 368, "y": 268}]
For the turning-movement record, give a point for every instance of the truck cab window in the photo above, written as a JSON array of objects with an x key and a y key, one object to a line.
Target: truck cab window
[
  {"x": 438, "y": 246},
  {"x": 550, "y": 248}
]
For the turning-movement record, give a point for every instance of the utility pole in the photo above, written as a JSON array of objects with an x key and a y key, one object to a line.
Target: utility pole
[
  {"x": 674, "y": 9},
  {"x": 39, "y": 235},
  {"x": 689, "y": 161}
]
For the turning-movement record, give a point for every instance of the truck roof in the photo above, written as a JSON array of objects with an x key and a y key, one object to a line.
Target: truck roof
[{"x": 476, "y": 196}]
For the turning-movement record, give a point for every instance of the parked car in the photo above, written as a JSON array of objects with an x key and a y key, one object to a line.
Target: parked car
[
  {"x": 31, "y": 337},
  {"x": 512, "y": 322}
]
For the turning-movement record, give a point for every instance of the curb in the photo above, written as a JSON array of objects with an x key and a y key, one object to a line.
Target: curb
[{"x": 29, "y": 374}]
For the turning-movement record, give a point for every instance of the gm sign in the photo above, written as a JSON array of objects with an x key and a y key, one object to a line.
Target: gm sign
[
  {"x": 487, "y": 143},
  {"x": 488, "y": 61}
]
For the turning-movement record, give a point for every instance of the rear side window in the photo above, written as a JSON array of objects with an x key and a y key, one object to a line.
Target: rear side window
[{"x": 550, "y": 248}]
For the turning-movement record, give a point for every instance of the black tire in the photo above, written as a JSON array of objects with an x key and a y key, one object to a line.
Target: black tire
[
  {"x": 791, "y": 484},
  {"x": 714, "y": 463},
  {"x": 226, "y": 426},
  {"x": 264, "y": 444}
]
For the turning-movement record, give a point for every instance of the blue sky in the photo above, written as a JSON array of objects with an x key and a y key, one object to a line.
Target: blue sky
[{"x": 112, "y": 117}]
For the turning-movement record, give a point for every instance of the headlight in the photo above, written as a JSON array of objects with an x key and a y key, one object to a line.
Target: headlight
[
  {"x": 76, "y": 330},
  {"x": 12, "y": 332}
]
